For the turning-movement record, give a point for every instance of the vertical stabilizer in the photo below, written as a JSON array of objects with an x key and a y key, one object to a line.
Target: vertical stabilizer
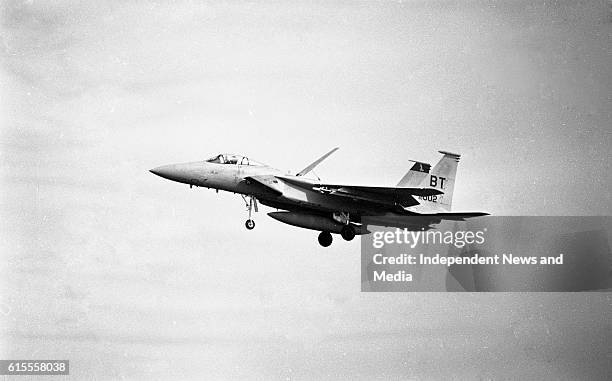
[
  {"x": 442, "y": 177},
  {"x": 415, "y": 175}
]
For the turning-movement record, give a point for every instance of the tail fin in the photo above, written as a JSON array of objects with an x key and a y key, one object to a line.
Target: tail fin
[
  {"x": 442, "y": 177},
  {"x": 415, "y": 175}
]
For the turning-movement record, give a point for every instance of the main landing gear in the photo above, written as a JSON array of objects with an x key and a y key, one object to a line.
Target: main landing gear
[
  {"x": 325, "y": 239},
  {"x": 347, "y": 232},
  {"x": 251, "y": 203}
]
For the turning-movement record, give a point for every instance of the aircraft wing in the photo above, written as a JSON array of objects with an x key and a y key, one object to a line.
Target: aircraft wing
[{"x": 390, "y": 195}]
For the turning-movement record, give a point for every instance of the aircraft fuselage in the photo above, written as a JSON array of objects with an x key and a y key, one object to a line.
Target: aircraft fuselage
[{"x": 232, "y": 178}]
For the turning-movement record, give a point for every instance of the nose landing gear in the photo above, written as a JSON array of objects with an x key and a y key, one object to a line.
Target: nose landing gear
[{"x": 251, "y": 203}]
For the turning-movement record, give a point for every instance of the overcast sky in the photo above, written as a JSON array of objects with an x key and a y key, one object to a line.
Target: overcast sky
[{"x": 111, "y": 266}]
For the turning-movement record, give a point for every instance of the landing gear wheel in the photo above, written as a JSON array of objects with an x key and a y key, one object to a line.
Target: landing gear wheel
[
  {"x": 251, "y": 203},
  {"x": 325, "y": 239},
  {"x": 348, "y": 232},
  {"x": 250, "y": 224}
]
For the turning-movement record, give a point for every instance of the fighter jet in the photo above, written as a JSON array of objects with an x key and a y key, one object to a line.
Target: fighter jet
[{"x": 329, "y": 208}]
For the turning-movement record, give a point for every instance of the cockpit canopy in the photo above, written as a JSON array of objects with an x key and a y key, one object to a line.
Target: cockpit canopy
[{"x": 226, "y": 158}]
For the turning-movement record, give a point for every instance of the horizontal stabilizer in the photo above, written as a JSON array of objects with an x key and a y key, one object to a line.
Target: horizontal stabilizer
[
  {"x": 456, "y": 216},
  {"x": 417, "y": 221},
  {"x": 420, "y": 191}
]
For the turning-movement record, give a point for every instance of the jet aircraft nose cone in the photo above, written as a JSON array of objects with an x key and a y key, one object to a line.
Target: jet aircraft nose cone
[
  {"x": 165, "y": 171},
  {"x": 186, "y": 173}
]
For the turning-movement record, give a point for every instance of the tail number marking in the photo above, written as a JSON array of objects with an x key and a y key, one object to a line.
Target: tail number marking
[
  {"x": 429, "y": 198},
  {"x": 433, "y": 181}
]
